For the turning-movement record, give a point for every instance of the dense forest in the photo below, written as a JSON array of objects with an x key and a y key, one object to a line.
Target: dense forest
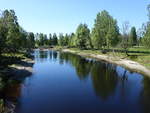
[{"x": 104, "y": 34}]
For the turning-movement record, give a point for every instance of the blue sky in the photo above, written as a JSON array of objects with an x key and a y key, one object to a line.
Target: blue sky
[{"x": 63, "y": 16}]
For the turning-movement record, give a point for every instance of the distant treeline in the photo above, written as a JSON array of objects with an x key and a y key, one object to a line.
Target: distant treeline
[{"x": 104, "y": 35}]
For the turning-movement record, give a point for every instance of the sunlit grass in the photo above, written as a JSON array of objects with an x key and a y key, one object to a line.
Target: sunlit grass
[
  {"x": 141, "y": 58},
  {"x": 18, "y": 55}
]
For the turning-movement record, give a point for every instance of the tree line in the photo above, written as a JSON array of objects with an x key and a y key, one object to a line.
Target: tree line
[{"x": 104, "y": 34}]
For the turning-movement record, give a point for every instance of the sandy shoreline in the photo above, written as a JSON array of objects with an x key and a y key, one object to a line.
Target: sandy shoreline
[
  {"x": 23, "y": 69},
  {"x": 128, "y": 64},
  {"x": 25, "y": 64}
]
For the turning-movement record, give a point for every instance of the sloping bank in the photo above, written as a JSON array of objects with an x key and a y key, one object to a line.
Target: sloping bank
[
  {"x": 16, "y": 72},
  {"x": 128, "y": 64},
  {"x": 23, "y": 67}
]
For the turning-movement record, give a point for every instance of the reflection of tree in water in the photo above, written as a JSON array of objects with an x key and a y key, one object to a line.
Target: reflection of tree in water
[
  {"x": 104, "y": 78},
  {"x": 9, "y": 95},
  {"x": 146, "y": 95},
  {"x": 12, "y": 84},
  {"x": 63, "y": 57},
  {"x": 43, "y": 54},
  {"x": 104, "y": 75},
  {"x": 54, "y": 54},
  {"x": 13, "y": 91},
  {"x": 82, "y": 68},
  {"x": 82, "y": 65},
  {"x": 50, "y": 54},
  {"x": 123, "y": 78}
]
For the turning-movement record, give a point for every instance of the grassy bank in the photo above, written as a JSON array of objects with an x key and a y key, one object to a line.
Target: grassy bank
[
  {"x": 137, "y": 62},
  {"x": 143, "y": 59},
  {"x": 12, "y": 64}
]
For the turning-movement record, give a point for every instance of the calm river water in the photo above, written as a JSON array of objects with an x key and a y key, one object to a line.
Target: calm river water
[{"x": 67, "y": 83}]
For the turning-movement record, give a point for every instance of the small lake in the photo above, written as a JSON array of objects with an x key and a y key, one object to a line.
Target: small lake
[{"x": 67, "y": 83}]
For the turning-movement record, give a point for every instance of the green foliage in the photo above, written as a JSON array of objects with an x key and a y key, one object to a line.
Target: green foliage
[
  {"x": 97, "y": 39},
  {"x": 133, "y": 37},
  {"x": 9, "y": 29},
  {"x": 83, "y": 36},
  {"x": 146, "y": 38},
  {"x": 31, "y": 40},
  {"x": 63, "y": 40},
  {"x": 50, "y": 40},
  {"x": 42, "y": 40},
  {"x": 12, "y": 36},
  {"x": 71, "y": 41},
  {"x": 3, "y": 32},
  {"x": 105, "y": 31},
  {"x": 66, "y": 40},
  {"x": 54, "y": 40}
]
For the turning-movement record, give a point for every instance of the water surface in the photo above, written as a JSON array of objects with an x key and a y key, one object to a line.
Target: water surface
[{"x": 67, "y": 83}]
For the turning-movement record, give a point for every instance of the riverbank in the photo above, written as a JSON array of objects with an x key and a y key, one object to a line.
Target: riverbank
[
  {"x": 25, "y": 64},
  {"x": 13, "y": 73},
  {"x": 21, "y": 67},
  {"x": 128, "y": 64}
]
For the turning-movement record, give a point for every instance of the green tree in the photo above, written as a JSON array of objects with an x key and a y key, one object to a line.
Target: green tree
[
  {"x": 66, "y": 40},
  {"x": 3, "y": 31},
  {"x": 61, "y": 40},
  {"x": 12, "y": 35},
  {"x": 82, "y": 36},
  {"x": 50, "y": 40},
  {"x": 105, "y": 31},
  {"x": 45, "y": 40},
  {"x": 55, "y": 39},
  {"x": 97, "y": 39},
  {"x": 37, "y": 41},
  {"x": 133, "y": 37},
  {"x": 146, "y": 38},
  {"x": 13, "y": 38},
  {"x": 71, "y": 42},
  {"x": 41, "y": 39},
  {"x": 23, "y": 36},
  {"x": 31, "y": 40}
]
